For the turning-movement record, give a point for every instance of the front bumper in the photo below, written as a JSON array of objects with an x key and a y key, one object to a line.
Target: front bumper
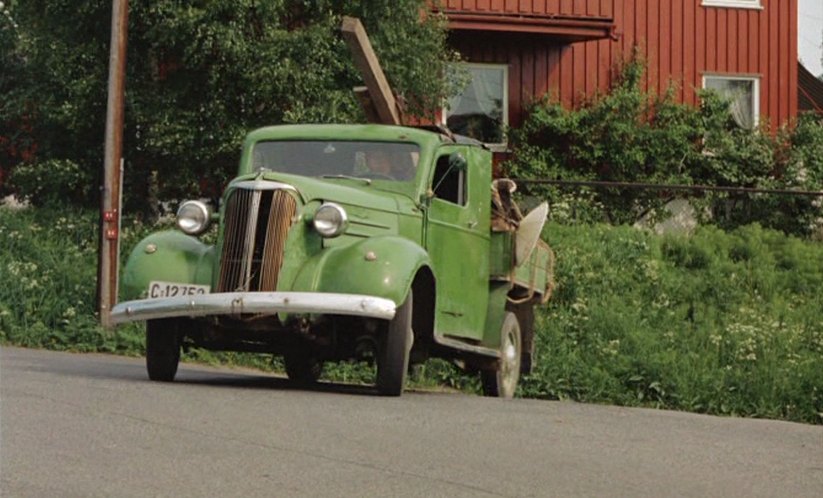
[{"x": 239, "y": 303}]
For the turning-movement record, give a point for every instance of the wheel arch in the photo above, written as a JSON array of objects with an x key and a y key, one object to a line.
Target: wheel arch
[
  {"x": 377, "y": 266},
  {"x": 425, "y": 297},
  {"x": 169, "y": 256}
]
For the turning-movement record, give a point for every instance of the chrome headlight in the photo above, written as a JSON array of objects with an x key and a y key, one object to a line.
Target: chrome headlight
[
  {"x": 193, "y": 217},
  {"x": 330, "y": 220}
]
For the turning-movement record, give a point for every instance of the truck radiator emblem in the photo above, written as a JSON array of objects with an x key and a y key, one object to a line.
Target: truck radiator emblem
[{"x": 257, "y": 224}]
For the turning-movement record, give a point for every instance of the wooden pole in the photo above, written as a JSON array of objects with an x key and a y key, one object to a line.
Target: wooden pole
[
  {"x": 109, "y": 253},
  {"x": 379, "y": 91}
]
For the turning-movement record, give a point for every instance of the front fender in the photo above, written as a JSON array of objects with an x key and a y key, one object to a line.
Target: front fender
[
  {"x": 377, "y": 266},
  {"x": 168, "y": 256}
]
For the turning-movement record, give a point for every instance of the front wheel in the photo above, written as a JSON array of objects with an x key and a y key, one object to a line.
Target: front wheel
[
  {"x": 502, "y": 381},
  {"x": 162, "y": 349},
  {"x": 393, "y": 351}
]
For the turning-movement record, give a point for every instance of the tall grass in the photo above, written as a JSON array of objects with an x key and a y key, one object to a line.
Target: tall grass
[
  {"x": 724, "y": 323},
  {"x": 48, "y": 266}
]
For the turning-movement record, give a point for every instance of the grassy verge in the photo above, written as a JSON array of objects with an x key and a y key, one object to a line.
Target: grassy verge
[
  {"x": 725, "y": 323},
  {"x": 48, "y": 266}
]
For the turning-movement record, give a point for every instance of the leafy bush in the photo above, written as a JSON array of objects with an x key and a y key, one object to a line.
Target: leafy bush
[
  {"x": 53, "y": 182},
  {"x": 48, "y": 261},
  {"x": 630, "y": 135},
  {"x": 200, "y": 76}
]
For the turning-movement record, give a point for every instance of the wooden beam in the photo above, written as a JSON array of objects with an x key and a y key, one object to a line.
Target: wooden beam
[
  {"x": 366, "y": 61},
  {"x": 362, "y": 94}
]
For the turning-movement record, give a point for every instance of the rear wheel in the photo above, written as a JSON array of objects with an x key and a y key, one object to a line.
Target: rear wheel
[
  {"x": 302, "y": 366},
  {"x": 162, "y": 349},
  {"x": 393, "y": 351},
  {"x": 525, "y": 318},
  {"x": 502, "y": 382}
]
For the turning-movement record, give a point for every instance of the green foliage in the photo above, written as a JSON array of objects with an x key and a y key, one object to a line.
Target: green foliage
[
  {"x": 717, "y": 323},
  {"x": 52, "y": 182},
  {"x": 14, "y": 139},
  {"x": 630, "y": 135},
  {"x": 202, "y": 74},
  {"x": 722, "y": 323},
  {"x": 623, "y": 136},
  {"x": 48, "y": 261}
]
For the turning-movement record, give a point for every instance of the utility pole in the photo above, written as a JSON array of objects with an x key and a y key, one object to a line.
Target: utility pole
[{"x": 109, "y": 252}]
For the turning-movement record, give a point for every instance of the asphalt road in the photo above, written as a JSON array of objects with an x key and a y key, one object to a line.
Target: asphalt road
[{"x": 92, "y": 425}]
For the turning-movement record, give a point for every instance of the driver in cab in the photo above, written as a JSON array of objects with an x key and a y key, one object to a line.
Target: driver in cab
[{"x": 389, "y": 166}]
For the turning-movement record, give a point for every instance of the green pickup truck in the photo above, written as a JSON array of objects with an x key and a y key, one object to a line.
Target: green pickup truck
[{"x": 349, "y": 242}]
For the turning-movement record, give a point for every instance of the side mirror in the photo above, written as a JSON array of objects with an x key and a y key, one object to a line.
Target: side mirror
[{"x": 458, "y": 162}]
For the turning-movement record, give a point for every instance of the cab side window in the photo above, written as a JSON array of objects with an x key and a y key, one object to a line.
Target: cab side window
[{"x": 449, "y": 182}]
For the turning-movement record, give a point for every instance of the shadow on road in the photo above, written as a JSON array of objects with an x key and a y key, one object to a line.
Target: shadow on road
[
  {"x": 133, "y": 370},
  {"x": 247, "y": 381}
]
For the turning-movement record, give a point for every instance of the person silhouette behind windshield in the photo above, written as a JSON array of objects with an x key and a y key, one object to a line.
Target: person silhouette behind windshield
[
  {"x": 379, "y": 163},
  {"x": 390, "y": 165}
]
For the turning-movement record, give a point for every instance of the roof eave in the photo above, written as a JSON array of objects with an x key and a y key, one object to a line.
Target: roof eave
[{"x": 562, "y": 28}]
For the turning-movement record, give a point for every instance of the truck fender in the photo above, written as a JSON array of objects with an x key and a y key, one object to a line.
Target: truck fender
[
  {"x": 377, "y": 266},
  {"x": 168, "y": 256}
]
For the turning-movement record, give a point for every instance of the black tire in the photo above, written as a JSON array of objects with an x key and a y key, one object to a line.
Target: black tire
[
  {"x": 162, "y": 349},
  {"x": 502, "y": 382},
  {"x": 393, "y": 351},
  {"x": 525, "y": 318},
  {"x": 301, "y": 366}
]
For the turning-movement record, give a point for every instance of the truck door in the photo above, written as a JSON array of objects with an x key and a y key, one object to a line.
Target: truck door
[{"x": 457, "y": 240}]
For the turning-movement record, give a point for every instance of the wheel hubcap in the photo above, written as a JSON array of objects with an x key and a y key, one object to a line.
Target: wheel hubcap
[{"x": 511, "y": 364}]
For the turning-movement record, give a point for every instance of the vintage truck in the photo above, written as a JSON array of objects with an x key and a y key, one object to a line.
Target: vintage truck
[{"x": 380, "y": 243}]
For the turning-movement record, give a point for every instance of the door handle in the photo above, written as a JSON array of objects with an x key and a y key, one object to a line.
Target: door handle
[{"x": 472, "y": 224}]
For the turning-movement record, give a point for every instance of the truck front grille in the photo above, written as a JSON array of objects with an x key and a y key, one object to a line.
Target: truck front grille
[{"x": 256, "y": 225}]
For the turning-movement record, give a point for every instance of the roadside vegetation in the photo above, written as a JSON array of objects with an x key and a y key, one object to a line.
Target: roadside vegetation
[
  {"x": 720, "y": 322},
  {"x": 724, "y": 323},
  {"x": 631, "y": 135},
  {"x": 200, "y": 76}
]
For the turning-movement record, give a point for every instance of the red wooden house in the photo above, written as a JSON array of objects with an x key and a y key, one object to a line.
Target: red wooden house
[{"x": 519, "y": 50}]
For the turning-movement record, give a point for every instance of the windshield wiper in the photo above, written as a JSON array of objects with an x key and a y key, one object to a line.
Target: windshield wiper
[{"x": 349, "y": 177}]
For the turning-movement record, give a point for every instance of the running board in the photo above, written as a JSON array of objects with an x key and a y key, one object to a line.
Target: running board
[{"x": 472, "y": 349}]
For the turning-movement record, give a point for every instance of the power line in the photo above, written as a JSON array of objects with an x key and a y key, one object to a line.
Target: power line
[{"x": 659, "y": 186}]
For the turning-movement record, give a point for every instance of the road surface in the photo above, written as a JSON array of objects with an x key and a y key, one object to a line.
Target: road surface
[{"x": 92, "y": 425}]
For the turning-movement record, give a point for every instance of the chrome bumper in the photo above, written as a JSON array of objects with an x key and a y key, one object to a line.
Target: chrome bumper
[{"x": 238, "y": 303}]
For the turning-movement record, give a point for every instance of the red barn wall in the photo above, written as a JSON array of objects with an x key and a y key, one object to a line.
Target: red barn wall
[{"x": 681, "y": 40}]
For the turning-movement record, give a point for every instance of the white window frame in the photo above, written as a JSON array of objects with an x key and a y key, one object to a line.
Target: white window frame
[
  {"x": 734, "y": 4},
  {"x": 486, "y": 65},
  {"x": 737, "y": 77}
]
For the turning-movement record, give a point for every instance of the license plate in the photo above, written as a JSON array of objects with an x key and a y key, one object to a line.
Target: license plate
[{"x": 171, "y": 289}]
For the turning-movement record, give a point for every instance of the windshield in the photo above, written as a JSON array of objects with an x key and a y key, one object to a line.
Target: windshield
[{"x": 395, "y": 161}]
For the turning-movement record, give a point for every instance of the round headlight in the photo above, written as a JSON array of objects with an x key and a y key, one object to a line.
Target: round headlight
[
  {"x": 330, "y": 220},
  {"x": 193, "y": 217}
]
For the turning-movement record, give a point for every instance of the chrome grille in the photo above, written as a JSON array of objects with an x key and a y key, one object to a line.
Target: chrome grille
[{"x": 257, "y": 223}]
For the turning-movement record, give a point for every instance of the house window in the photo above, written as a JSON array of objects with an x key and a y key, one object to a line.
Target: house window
[
  {"x": 738, "y": 4},
  {"x": 481, "y": 110},
  {"x": 744, "y": 95}
]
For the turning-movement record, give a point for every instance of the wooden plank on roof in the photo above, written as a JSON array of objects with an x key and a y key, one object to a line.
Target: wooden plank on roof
[{"x": 367, "y": 63}]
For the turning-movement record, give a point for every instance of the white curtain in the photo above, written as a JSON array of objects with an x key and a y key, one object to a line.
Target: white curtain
[
  {"x": 483, "y": 96},
  {"x": 741, "y": 98}
]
